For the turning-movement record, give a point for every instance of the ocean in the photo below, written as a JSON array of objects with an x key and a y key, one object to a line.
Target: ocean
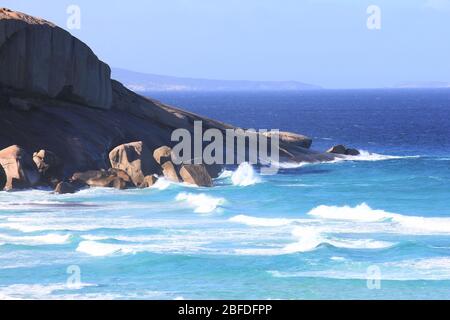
[{"x": 373, "y": 227}]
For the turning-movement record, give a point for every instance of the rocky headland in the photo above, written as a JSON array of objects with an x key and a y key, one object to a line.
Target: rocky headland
[{"x": 65, "y": 124}]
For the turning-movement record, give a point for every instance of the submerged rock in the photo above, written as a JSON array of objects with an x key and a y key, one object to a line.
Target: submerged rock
[
  {"x": 133, "y": 158},
  {"x": 65, "y": 188},
  {"x": 196, "y": 175},
  {"x": 19, "y": 168}
]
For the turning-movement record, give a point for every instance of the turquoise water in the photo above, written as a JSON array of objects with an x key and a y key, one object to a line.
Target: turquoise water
[{"x": 322, "y": 231}]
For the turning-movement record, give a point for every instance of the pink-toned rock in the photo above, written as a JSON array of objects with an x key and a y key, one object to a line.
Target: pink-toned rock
[
  {"x": 169, "y": 172},
  {"x": 133, "y": 158},
  {"x": 20, "y": 170},
  {"x": 196, "y": 175}
]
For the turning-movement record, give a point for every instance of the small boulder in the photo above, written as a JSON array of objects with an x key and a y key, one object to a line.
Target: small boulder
[
  {"x": 135, "y": 159},
  {"x": 341, "y": 149},
  {"x": 196, "y": 175},
  {"x": 169, "y": 171},
  {"x": 149, "y": 181},
  {"x": 162, "y": 155},
  {"x": 20, "y": 170},
  {"x": 65, "y": 188}
]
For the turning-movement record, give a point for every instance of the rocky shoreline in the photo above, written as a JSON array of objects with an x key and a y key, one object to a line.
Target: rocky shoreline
[{"x": 65, "y": 124}]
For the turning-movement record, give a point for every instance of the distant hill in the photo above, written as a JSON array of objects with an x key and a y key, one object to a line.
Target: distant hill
[
  {"x": 423, "y": 84},
  {"x": 142, "y": 82}
]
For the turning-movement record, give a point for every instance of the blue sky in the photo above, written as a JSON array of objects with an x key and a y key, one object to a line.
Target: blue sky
[{"x": 324, "y": 42}]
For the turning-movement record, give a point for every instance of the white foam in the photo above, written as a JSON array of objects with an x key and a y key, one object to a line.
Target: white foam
[
  {"x": 46, "y": 239},
  {"x": 261, "y": 222},
  {"x": 161, "y": 184},
  {"x": 368, "y": 156},
  {"x": 245, "y": 176},
  {"x": 201, "y": 203},
  {"x": 363, "y": 213},
  {"x": 36, "y": 291},
  {"x": 98, "y": 249}
]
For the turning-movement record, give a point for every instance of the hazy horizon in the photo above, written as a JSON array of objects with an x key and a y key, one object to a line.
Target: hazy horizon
[{"x": 322, "y": 42}]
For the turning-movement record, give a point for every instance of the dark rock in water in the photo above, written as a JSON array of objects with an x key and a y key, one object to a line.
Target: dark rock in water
[
  {"x": 352, "y": 152},
  {"x": 162, "y": 155},
  {"x": 148, "y": 182},
  {"x": 196, "y": 175},
  {"x": 343, "y": 150},
  {"x": 339, "y": 149},
  {"x": 169, "y": 172},
  {"x": 65, "y": 188},
  {"x": 19, "y": 168},
  {"x": 135, "y": 159},
  {"x": 103, "y": 179},
  {"x": 49, "y": 166},
  {"x": 292, "y": 139},
  {"x": 2, "y": 178},
  {"x": 41, "y": 58}
]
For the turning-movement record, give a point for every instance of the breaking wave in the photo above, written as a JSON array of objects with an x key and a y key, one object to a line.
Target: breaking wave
[{"x": 201, "y": 203}]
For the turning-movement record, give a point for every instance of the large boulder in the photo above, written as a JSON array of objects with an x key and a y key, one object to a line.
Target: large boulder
[
  {"x": 196, "y": 175},
  {"x": 135, "y": 159},
  {"x": 40, "y": 58},
  {"x": 293, "y": 139},
  {"x": 20, "y": 170}
]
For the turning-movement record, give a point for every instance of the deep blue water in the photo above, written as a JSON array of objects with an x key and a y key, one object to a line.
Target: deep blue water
[{"x": 322, "y": 231}]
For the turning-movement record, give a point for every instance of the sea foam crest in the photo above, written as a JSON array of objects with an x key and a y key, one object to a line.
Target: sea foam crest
[
  {"x": 245, "y": 175},
  {"x": 201, "y": 203},
  {"x": 364, "y": 213}
]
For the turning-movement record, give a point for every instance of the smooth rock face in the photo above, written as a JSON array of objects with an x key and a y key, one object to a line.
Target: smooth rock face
[
  {"x": 133, "y": 158},
  {"x": 19, "y": 167},
  {"x": 169, "y": 172},
  {"x": 40, "y": 58},
  {"x": 196, "y": 175},
  {"x": 149, "y": 181},
  {"x": 162, "y": 155},
  {"x": 65, "y": 188},
  {"x": 292, "y": 139}
]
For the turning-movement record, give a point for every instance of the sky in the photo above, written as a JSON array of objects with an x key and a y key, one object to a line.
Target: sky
[{"x": 322, "y": 42}]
